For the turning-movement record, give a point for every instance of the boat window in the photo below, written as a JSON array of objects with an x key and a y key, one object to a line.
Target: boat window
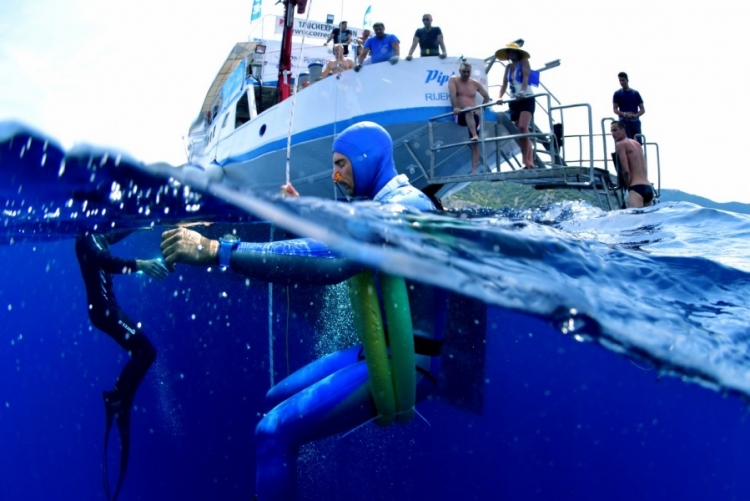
[
  {"x": 224, "y": 123},
  {"x": 242, "y": 113}
]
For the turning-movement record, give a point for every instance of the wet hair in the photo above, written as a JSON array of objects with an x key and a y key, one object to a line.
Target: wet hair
[
  {"x": 337, "y": 46},
  {"x": 464, "y": 64},
  {"x": 622, "y": 74},
  {"x": 619, "y": 123}
]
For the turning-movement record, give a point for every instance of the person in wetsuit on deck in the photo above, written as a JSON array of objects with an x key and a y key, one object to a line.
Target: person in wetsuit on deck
[
  {"x": 97, "y": 267},
  {"x": 333, "y": 394}
]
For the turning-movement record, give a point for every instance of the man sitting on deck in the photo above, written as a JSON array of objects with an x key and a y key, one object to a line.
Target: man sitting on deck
[{"x": 632, "y": 166}]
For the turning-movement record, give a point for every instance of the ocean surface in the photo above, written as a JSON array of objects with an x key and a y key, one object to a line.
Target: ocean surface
[{"x": 590, "y": 355}]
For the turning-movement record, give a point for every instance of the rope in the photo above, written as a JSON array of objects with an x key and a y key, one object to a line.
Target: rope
[
  {"x": 270, "y": 325},
  {"x": 288, "y": 311},
  {"x": 294, "y": 97}
]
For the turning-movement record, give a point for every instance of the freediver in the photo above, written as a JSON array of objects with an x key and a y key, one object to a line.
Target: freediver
[
  {"x": 333, "y": 394},
  {"x": 98, "y": 266}
]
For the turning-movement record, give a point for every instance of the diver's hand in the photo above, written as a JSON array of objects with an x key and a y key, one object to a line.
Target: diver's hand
[
  {"x": 287, "y": 190},
  {"x": 408, "y": 58},
  {"x": 443, "y": 55},
  {"x": 152, "y": 267},
  {"x": 358, "y": 67},
  {"x": 393, "y": 60},
  {"x": 187, "y": 246}
]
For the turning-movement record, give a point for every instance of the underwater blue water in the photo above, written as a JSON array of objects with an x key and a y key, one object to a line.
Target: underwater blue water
[{"x": 583, "y": 319}]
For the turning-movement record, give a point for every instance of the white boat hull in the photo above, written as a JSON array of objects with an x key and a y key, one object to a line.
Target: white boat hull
[{"x": 403, "y": 98}]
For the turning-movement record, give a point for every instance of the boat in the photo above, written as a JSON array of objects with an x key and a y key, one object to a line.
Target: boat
[{"x": 267, "y": 120}]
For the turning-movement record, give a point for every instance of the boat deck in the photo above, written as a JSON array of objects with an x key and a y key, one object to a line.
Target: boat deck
[{"x": 574, "y": 161}]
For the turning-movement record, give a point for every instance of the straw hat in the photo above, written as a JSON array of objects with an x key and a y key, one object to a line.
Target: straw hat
[{"x": 502, "y": 54}]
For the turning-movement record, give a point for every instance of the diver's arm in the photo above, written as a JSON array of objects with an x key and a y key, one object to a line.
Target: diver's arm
[
  {"x": 293, "y": 270},
  {"x": 300, "y": 261},
  {"x": 98, "y": 255}
]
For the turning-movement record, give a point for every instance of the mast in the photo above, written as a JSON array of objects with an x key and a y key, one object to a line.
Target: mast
[{"x": 285, "y": 59}]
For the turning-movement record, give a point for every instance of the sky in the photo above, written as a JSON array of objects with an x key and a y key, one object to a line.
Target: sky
[{"x": 133, "y": 75}]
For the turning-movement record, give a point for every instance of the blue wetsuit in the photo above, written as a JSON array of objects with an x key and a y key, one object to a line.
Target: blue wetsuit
[{"x": 332, "y": 395}]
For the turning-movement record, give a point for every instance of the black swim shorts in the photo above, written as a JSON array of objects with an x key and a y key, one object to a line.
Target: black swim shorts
[
  {"x": 461, "y": 120},
  {"x": 516, "y": 107}
]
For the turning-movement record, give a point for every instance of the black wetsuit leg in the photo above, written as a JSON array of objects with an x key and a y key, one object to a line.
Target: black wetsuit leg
[{"x": 110, "y": 319}]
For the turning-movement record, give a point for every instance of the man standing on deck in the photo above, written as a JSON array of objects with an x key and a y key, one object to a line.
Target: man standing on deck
[
  {"x": 383, "y": 46},
  {"x": 333, "y": 394},
  {"x": 430, "y": 40},
  {"x": 632, "y": 166},
  {"x": 628, "y": 105},
  {"x": 463, "y": 90},
  {"x": 341, "y": 35}
]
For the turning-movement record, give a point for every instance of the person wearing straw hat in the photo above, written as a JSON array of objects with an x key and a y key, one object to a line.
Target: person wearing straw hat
[{"x": 517, "y": 79}]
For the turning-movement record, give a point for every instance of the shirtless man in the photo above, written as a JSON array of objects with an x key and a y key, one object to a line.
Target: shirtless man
[
  {"x": 463, "y": 90},
  {"x": 338, "y": 64},
  {"x": 633, "y": 167}
]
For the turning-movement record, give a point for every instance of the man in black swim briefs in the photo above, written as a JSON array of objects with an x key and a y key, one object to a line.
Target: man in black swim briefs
[{"x": 633, "y": 167}]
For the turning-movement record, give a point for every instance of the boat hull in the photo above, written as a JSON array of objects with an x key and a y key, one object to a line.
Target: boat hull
[{"x": 404, "y": 98}]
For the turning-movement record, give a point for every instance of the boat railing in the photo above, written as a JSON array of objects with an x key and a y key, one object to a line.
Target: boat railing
[{"x": 549, "y": 137}]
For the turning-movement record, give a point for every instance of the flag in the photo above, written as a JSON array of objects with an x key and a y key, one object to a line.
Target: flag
[
  {"x": 367, "y": 22},
  {"x": 256, "y": 10}
]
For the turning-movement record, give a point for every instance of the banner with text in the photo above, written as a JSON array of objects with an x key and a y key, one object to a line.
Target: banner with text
[{"x": 314, "y": 29}]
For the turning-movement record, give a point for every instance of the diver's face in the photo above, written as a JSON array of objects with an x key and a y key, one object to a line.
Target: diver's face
[{"x": 343, "y": 173}]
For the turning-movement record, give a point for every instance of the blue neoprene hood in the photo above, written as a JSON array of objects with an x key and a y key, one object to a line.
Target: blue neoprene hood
[{"x": 370, "y": 150}]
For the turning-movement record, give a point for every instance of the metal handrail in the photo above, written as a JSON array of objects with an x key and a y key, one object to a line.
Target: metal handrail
[
  {"x": 482, "y": 140},
  {"x": 658, "y": 168},
  {"x": 591, "y": 143}
]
